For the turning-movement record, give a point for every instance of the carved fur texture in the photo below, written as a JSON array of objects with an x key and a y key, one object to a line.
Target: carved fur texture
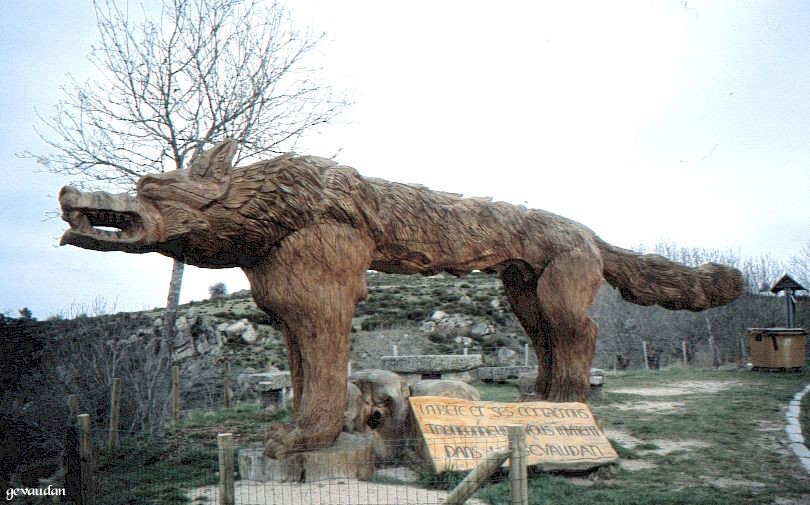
[{"x": 305, "y": 230}]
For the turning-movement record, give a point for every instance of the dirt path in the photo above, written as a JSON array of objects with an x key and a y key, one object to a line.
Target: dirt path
[
  {"x": 331, "y": 492},
  {"x": 681, "y": 388}
]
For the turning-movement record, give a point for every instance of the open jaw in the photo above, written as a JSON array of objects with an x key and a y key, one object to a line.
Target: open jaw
[{"x": 104, "y": 222}]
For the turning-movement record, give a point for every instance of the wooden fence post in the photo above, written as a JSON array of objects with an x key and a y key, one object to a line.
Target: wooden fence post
[
  {"x": 71, "y": 457},
  {"x": 73, "y": 405},
  {"x": 394, "y": 350},
  {"x": 518, "y": 475},
  {"x": 115, "y": 409},
  {"x": 86, "y": 451},
  {"x": 683, "y": 350},
  {"x": 525, "y": 354},
  {"x": 175, "y": 394},
  {"x": 477, "y": 476},
  {"x": 226, "y": 484},
  {"x": 226, "y": 384}
]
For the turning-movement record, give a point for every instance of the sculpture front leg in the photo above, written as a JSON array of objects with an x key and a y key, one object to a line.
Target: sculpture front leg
[
  {"x": 312, "y": 284},
  {"x": 319, "y": 383}
]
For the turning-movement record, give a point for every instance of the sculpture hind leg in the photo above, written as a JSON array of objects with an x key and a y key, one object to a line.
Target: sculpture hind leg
[
  {"x": 565, "y": 290},
  {"x": 522, "y": 296},
  {"x": 312, "y": 283}
]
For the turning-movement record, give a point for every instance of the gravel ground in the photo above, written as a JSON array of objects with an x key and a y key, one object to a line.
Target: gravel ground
[{"x": 331, "y": 492}]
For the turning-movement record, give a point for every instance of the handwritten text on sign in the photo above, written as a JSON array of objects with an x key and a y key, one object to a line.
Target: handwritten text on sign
[{"x": 458, "y": 433}]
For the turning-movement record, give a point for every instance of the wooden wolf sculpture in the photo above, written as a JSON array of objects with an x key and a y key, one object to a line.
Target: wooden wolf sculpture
[{"x": 305, "y": 230}]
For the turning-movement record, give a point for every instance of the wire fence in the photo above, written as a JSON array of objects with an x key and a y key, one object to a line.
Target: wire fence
[{"x": 140, "y": 472}]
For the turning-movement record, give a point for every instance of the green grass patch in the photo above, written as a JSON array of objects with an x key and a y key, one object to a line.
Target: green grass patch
[
  {"x": 495, "y": 392},
  {"x": 723, "y": 445},
  {"x": 139, "y": 471},
  {"x": 245, "y": 420}
]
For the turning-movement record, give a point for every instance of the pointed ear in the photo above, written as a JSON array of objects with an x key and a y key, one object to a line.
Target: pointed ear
[{"x": 213, "y": 163}]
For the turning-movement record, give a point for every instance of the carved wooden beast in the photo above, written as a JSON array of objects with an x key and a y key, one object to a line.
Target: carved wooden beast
[{"x": 305, "y": 230}]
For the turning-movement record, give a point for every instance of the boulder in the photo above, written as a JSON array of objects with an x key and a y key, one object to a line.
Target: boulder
[
  {"x": 443, "y": 387},
  {"x": 481, "y": 329},
  {"x": 379, "y": 407},
  {"x": 432, "y": 363},
  {"x": 506, "y": 356},
  {"x": 241, "y": 329},
  {"x": 502, "y": 373},
  {"x": 272, "y": 388}
]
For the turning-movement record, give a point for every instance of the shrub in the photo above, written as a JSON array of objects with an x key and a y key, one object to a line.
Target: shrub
[{"x": 218, "y": 290}]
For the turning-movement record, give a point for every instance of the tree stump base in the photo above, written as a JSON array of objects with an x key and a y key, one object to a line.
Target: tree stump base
[{"x": 350, "y": 457}]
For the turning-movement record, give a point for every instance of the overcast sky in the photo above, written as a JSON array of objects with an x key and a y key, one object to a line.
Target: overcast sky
[{"x": 645, "y": 121}]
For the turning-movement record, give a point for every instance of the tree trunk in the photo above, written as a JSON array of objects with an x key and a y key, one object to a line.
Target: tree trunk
[{"x": 162, "y": 377}]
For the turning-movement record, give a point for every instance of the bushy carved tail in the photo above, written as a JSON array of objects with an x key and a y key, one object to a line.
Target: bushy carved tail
[{"x": 648, "y": 279}]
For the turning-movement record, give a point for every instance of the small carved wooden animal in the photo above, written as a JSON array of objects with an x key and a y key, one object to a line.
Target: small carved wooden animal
[{"x": 305, "y": 230}]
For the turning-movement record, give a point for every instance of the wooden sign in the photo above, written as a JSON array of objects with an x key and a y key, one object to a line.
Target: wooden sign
[{"x": 459, "y": 433}]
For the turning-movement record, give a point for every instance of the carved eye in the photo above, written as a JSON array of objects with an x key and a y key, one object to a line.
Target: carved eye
[{"x": 147, "y": 184}]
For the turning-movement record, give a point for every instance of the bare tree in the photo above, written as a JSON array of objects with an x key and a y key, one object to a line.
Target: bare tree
[
  {"x": 172, "y": 82},
  {"x": 799, "y": 266}
]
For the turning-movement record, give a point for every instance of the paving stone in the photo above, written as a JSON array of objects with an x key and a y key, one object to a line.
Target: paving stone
[{"x": 800, "y": 450}]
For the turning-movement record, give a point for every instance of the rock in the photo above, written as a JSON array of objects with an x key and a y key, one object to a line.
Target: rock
[
  {"x": 495, "y": 304},
  {"x": 481, "y": 330},
  {"x": 272, "y": 388},
  {"x": 182, "y": 329},
  {"x": 597, "y": 377},
  {"x": 465, "y": 341},
  {"x": 438, "y": 315},
  {"x": 353, "y": 420},
  {"x": 242, "y": 377},
  {"x": 465, "y": 300},
  {"x": 249, "y": 336},
  {"x": 432, "y": 363},
  {"x": 467, "y": 376},
  {"x": 455, "y": 322},
  {"x": 351, "y": 456},
  {"x": 267, "y": 381},
  {"x": 502, "y": 373},
  {"x": 428, "y": 326},
  {"x": 443, "y": 387},
  {"x": 506, "y": 356},
  {"x": 241, "y": 329},
  {"x": 381, "y": 410}
]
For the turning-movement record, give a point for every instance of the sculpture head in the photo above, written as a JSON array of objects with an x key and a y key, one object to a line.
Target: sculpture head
[{"x": 178, "y": 213}]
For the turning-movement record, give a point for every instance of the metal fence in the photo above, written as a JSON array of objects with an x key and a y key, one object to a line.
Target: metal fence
[{"x": 203, "y": 471}]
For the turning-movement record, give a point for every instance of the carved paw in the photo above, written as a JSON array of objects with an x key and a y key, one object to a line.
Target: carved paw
[{"x": 281, "y": 439}]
